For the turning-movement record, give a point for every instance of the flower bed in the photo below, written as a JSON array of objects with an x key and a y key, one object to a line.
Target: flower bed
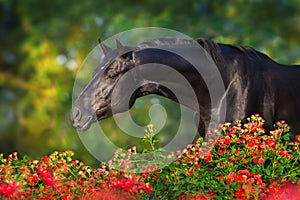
[{"x": 242, "y": 164}]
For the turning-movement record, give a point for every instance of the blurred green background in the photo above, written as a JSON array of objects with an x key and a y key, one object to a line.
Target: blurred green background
[{"x": 43, "y": 44}]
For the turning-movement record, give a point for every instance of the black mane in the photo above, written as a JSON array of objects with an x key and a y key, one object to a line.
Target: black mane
[{"x": 213, "y": 48}]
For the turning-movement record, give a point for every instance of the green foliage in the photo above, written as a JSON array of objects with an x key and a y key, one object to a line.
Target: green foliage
[
  {"x": 149, "y": 137},
  {"x": 242, "y": 164},
  {"x": 44, "y": 43}
]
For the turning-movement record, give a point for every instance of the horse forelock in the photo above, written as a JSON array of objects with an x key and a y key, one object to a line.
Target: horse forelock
[{"x": 106, "y": 62}]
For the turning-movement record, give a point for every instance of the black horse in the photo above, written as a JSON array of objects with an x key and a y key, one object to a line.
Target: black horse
[{"x": 253, "y": 83}]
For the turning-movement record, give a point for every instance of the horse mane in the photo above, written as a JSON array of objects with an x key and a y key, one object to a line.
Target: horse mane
[
  {"x": 215, "y": 51},
  {"x": 165, "y": 42},
  {"x": 213, "y": 48}
]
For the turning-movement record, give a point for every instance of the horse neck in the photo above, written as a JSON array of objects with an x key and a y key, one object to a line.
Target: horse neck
[{"x": 196, "y": 84}]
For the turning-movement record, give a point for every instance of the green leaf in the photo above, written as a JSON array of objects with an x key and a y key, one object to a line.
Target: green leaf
[
  {"x": 268, "y": 171},
  {"x": 286, "y": 137}
]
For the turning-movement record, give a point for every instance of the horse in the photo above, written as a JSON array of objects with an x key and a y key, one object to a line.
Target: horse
[{"x": 253, "y": 82}]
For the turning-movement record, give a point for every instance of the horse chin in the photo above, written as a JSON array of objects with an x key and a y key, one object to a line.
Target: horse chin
[{"x": 104, "y": 114}]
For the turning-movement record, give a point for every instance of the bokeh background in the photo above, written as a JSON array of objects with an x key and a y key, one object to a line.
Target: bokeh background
[{"x": 43, "y": 44}]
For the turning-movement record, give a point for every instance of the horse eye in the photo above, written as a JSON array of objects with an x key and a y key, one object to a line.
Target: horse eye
[{"x": 112, "y": 76}]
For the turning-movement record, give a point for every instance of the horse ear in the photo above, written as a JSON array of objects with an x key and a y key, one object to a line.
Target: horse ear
[
  {"x": 104, "y": 48},
  {"x": 126, "y": 52},
  {"x": 121, "y": 48}
]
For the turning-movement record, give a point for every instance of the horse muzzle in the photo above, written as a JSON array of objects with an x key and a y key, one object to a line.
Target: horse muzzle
[{"x": 82, "y": 121}]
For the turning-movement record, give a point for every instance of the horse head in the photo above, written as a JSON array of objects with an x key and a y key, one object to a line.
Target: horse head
[{"x": 95, "y": 101}]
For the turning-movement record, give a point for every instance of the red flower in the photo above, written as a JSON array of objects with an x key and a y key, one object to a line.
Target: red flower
[
  {"x": 257, "y": 176},
  {"x": 220, "y": 141},
  {"x": 272, "y": 190},
  {"x": 47, "y": 177},
  {"x": 271, "y": 142},
  {"x": 220, "y": 151},
  {"x": 66, "y": 198},
  {"x": 211, "y": 193},
  {"x": 128, "y": 184},
  {"x": 258, "y": 160},
  {"x": 49, "y": 180},
  {"x": 244, "y": 172},
  {"x": 255, "y": 160},
  {"x": 227, "y": 139},
  {"x": 228, "y": 179},
  {"x": 250, "y": 181},
  {"x": 190, "y": 172},
  {"x": 241, "y": 178},
  {"x": 297, "y": 138},
  {"x": 240, "y": 192},
  {"x": 146, "y": 175},
  {"x": 253, "y": 130},
  {"x": 288, "y": 191},
  {"x": 208, "y": 158},
  {"x": 261, "y": 160},
  {"x": 285, "y": 153},
  {"x": 7, "y": 189},
  {"x": 148, "y": 188}
]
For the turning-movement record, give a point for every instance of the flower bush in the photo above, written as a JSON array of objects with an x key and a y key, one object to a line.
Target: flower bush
[{"x": 243, "y": 163}]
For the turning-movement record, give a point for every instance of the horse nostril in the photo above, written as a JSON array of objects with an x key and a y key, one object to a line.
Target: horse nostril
[{"x": 76, "y": 114}]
